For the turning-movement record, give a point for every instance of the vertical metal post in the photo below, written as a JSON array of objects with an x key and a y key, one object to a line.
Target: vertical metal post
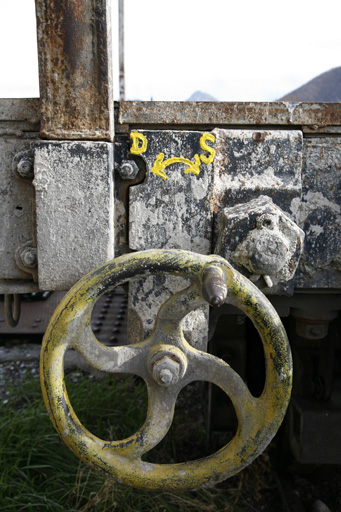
[
  {"x": 73, "y": 174},
  {"x": 75, "y": 69},
  {"x": 121, "y": 47}
]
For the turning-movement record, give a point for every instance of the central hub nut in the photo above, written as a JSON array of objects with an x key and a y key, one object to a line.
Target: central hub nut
[
  {"x": 167, "y": 367},
  {"x": 166, "y": 371}
]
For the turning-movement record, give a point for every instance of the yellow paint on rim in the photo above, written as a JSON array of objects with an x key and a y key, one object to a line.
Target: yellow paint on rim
[{"x": 261, "y": 416}]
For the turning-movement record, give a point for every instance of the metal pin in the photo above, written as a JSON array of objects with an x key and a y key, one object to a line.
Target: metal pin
[{"x": 214, "y": 288}]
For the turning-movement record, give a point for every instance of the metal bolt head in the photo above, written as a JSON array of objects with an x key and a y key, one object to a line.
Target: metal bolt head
[
  {"x": 166, "y": 376},
  {"x": 258, "y": 136},
  {"x": 267, "y": 253},
  {"x": 128, "y": 170},
  {"x": 311, "y": 331},
  {"x": 25, "y": 168},
  {"x": 166, "y": 371},
  {"x": 29, "y": 257}
]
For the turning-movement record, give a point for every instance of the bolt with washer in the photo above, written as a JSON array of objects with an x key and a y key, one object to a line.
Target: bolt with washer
[
  {"x": 29, "y": 257},
  {"x": 25, "y": 168},
  {"x": 23, "y": 164},
  {"x": 166, "y": 371},
  {"x": 128, "y": 170}
]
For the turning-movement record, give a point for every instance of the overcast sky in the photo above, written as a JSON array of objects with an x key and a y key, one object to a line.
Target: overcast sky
[{"x": 234, "y": 50}]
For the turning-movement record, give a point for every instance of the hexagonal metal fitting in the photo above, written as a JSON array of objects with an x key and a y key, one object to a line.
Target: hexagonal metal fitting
[
  {"x": 29, "y": 257},
  {"x": 167, "y": 366},
  {"x": 128, "y": 170},
  {"x": 166, "y": 371},
  {"x": 261, "y": 240},
  {"x": 23, "y": 164}
]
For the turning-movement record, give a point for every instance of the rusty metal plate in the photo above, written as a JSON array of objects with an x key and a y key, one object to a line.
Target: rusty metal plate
[
  {"x": 229, "y": 113},
  {"x": 34, "y": 316}
]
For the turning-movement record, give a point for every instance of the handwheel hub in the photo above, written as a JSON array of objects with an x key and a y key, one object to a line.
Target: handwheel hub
[{"x": 167, "y": 366}]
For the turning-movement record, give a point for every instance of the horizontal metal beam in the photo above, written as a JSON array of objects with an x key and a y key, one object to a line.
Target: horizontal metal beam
[
  {"x": 315, "y": 115},
  {"x": 74, "y": 48},
  {"x": 319, "y": 117}
]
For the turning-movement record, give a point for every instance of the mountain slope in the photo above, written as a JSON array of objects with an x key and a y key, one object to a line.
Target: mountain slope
[
  {"x": 325, "y": 87},
  {"x": 201, "y": 96}
]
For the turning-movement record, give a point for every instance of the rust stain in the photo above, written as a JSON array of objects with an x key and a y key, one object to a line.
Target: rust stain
[
  {"x": 75, "y": 69},
  {"x": 230, "y": 113}
]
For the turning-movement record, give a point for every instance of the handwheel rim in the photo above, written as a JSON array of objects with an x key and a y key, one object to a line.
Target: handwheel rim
[{"x": 264, "y": 414}]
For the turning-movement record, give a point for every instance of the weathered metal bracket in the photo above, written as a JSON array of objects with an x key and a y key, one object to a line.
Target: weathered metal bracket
[{"x": 75, "y": 210}]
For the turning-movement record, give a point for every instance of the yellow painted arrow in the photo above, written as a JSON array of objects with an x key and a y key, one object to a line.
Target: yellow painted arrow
[{"x": 159, "y": 165}]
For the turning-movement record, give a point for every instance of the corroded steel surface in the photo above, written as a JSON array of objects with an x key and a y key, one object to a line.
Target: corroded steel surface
[
  {"x": 229, "y": 113},
  {"x": 312, "y": 116},
  {"x": 74, "y": 47},
  {"x": 258, "y": 418}
]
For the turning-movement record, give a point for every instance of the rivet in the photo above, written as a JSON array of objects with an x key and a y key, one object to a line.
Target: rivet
[{"x": 258, "y": 136}]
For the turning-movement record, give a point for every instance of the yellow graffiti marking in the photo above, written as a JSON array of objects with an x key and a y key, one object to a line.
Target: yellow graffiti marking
[
  {"x": 137, "y": 138},
  {"x": 160, "y": 164},
  {"x": 205, "y": 147},
  {"x": 139, "y": 146}
]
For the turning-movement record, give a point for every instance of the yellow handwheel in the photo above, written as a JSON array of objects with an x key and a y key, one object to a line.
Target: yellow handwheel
[{"x": 167, "y": 363}]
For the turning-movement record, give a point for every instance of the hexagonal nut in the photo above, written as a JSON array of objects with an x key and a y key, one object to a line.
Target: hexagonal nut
[
  {"x": 260, "y": 239},
  {"x": 166, "y": 371},
  {"x": 263, "y": 252},
  {"x": 29, "y": 257},
  {"x": 128, "y": 170},
  {"x": 23, "y": 164}
]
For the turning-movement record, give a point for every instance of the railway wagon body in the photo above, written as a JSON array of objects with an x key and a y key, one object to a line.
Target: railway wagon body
[{"x": 239, "y": 200}]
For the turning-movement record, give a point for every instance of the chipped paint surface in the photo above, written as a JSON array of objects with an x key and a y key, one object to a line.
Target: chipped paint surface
[
  {"x": 173, "y": 213},
  {"x": 250, "y": 163},
  {"x": 159, "y": 165},
  {"x": 320, "y": 214},
  {"x": 258, "y": 418},
  {"x": 74, "y": 204}
]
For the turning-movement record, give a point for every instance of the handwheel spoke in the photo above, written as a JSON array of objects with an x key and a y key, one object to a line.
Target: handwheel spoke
[
  {"x": 161, "y": 404},
  {"x": 179, "y": 305},
  {"x": 212, "y": 369},
  {"x": 123, "y": 359}
]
